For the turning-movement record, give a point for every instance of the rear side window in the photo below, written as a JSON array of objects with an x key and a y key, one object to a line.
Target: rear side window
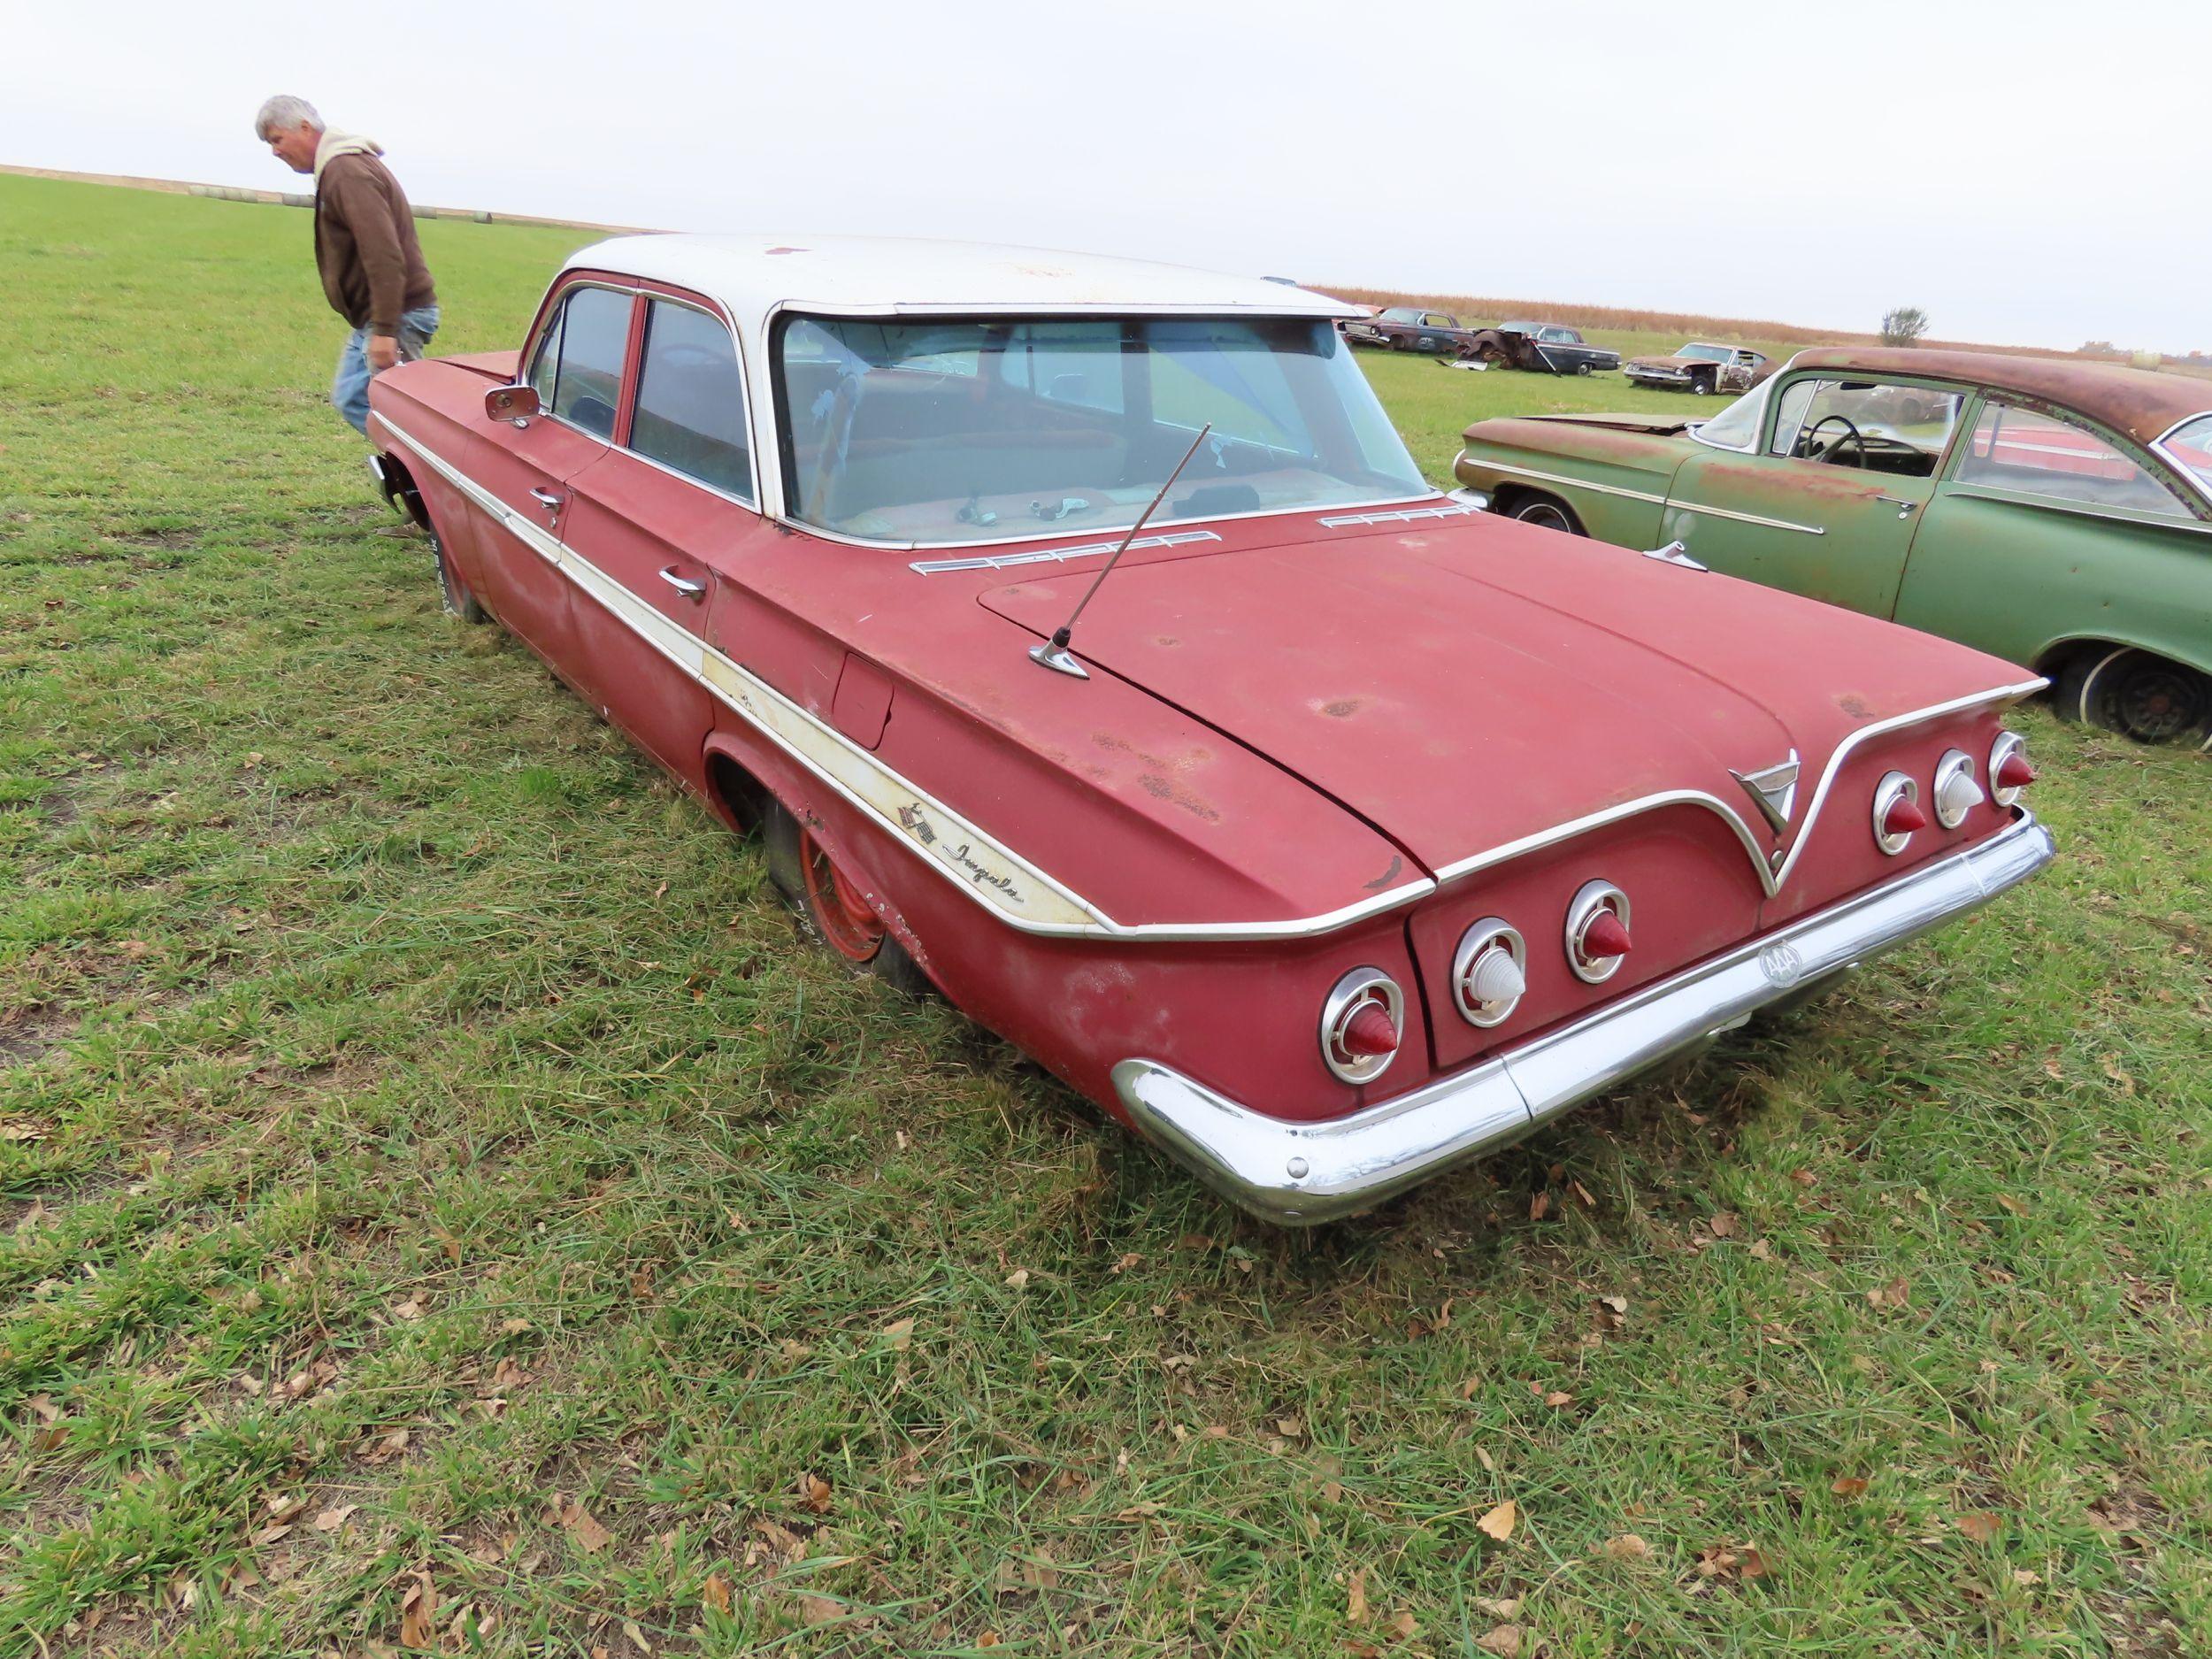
[
  {"x": 691, "y": 399},
  {"x": 595, "y": 331},
  {"x": 2039, "y": 455}
]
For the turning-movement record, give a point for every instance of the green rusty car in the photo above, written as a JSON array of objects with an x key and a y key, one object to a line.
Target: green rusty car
[{"x": 2054, "y": 511}]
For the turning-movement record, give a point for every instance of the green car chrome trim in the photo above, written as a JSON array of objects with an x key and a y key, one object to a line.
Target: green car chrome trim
[
  {"x": 2082, "y": 508},
  {"x": 1639, "y": 494}
]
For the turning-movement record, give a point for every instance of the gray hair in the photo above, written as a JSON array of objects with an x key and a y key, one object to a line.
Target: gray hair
[{"x": 282, "y": 113}]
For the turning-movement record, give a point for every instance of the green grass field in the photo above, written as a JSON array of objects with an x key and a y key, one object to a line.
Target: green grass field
[{"x": 443, "y": 1202}]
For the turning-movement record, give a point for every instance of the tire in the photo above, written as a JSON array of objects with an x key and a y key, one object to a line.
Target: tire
[
  {"x": 1397, "y": 342},
  {"x": 840, "y": 921},
  {"x": 1582, "y": 368},
  {"x": 1549, "y": 513},
  {"x": 459, "y": 602},
  {"x": 2137, "y": 693},
  {"x": 1701, "y": 386}
]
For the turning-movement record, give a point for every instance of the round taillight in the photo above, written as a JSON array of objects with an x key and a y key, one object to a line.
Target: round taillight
[
  {"x": 2009, "y": 768},
  {"x": 1363, "y": 1023},
  {"x": 1955, "y": 793},
  {"x": 1897, "y": 812},
  {"x": 1489, "y": 972},
  {"x": 1597, "y": 932}
]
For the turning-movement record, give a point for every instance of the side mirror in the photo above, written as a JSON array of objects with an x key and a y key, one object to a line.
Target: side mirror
[{"x": 518, "y": 403}]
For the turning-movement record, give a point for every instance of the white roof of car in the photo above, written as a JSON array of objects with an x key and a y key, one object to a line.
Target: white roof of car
[{"x": 881, "y": 276}]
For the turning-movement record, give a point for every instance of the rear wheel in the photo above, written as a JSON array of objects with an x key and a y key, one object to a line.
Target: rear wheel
[
  {"x": 1552, "y": 515},
  {"x": 2137, "y": 693},
  {"x": 836, "y": 909},
  {"x": 459, "y": 602}
]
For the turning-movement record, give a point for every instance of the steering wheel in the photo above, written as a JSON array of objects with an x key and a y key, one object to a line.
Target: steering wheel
[{"x": 1851, "y": 435}]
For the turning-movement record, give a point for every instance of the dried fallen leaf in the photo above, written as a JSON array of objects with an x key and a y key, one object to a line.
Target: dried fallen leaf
[
  {"x": 1501, "y": 1607},
  {"x": 820, "y": 1610},
  {"x": 1724, "y": 1223},
  {"x": 901, "y": 1334},
  {"x": 815, "y": 1492},
  {"x": 1499, "y": 1522},
  {"x": 1405, "y": 1626},
  {"x": 1539, "y": 1205},
  {"x": 2008, "y": 1201},
  {"x": 331, "y": 1520},
  {"x": 1504, "y": 1641},
  {"x": 1127, "y": 1262},
  {"x": 1754, "y": 1565},
  {"x": 1290, "y": 1428},
  {"x": 715, "y": 1593},
  {"x": 1981, "y": 1526},
  {"x": 1627, "y": 1546},
  {"x": 1355, "y": 1599},
  {"x": 1018, "y": 1277},
  {"x": 1848, "y": 1486},
  {"x": 2021, "y": 1576},
  {"x": 1558, "y": 1397},
  {"x": 583, "y": 1530},
  {"x": 417, "y": 1614},
  {"x": 410, "y": 1308}
]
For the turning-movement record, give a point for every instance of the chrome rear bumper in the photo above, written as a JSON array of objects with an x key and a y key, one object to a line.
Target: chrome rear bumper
[{"x": 1301, "y": 1173}]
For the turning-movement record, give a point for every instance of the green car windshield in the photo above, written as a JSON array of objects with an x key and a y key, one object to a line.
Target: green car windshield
[{"x": 992, "y": 429}]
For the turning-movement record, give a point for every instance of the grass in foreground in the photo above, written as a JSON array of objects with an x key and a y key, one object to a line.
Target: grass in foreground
[{"x": 441, "y": 1201}]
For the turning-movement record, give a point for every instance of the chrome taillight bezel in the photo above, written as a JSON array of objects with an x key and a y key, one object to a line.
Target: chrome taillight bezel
[
  {"x": 1491, "y": 934},
  {"x": 1886, "y": 796},
  {"x": 1955, "y": 764},
  {"x": 2007, "y": 745},
  {"x": 1346, "y": 998},
  {"x": 1593, "y": 897}
]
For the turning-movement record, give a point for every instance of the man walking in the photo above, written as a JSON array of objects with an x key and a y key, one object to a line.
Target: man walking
[{"x": 364, "y": 247}]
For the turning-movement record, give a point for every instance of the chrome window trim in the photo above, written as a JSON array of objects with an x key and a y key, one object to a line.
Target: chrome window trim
[
  {"x": 1057, "y": 556},
  {"x": 737, "y": 688},
  {"x": 2159, "y": 447},
  {"x": 744, "y": 390},
  {"x": 744, "y": 381}
]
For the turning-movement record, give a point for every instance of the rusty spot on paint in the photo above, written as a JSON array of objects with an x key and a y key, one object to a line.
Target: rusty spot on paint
[
  {"x": 1387, "y": 876},
  {"x": 1854, "y": 705},
  {"x": 1166, "y": 638},
  {"x": 1175, "y": 794},
  {"x": 1343, "y": 709}
]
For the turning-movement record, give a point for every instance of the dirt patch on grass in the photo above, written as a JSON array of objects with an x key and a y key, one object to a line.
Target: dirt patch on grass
[{"x": 27, "y": 1034}]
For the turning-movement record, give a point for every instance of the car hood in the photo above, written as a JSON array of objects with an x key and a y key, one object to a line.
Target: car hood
[
  {"x": 1464, "y": 687},
  {"x": 1670, "y": 362}
]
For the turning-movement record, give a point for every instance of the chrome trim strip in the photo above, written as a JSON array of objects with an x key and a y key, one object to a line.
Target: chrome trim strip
[
  {"x": 1770, "y": 877},
  {"x": 1008, "y": 886},
  {"x": 2161, "y": 447},
  {"x": 1059, "y": 555},
  {"x": 1746, "y": 518},
  {"x": 810, "y": 529},
  {"x": 1299, "y": 1173},
  {"x": 1404, "y": 516},
  {"x": 1561, "y": 477}
]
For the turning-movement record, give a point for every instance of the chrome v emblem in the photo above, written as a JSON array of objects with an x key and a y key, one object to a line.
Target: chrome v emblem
[{"x": 1773, "y": 791}]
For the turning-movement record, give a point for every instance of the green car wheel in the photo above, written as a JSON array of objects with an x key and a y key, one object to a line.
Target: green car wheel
[{"x": 2137, "y": 693}]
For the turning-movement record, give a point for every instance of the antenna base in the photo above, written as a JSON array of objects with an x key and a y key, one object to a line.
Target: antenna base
[{"x": 1053, "y": 654}]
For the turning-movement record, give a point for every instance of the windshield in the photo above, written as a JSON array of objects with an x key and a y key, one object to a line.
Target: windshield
[
  {"x": 1736, "y": 427},
  {"x": 990, "y": 429},
  {"x": 2191, "y": 446},
  {"x": 1708, "y": 354}
]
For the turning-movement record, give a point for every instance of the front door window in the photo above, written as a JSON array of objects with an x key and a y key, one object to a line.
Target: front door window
[{"x": 1873, "y": 426}]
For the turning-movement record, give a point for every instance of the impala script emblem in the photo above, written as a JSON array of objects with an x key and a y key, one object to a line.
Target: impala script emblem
[{"x": 1774, "y": 791}]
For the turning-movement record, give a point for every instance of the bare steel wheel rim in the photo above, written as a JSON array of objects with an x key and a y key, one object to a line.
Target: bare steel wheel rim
[
  {"x": 1544, "y": 513},
  {"x": 2158, "y": 701},
  {"x": 846, "y": 921}
]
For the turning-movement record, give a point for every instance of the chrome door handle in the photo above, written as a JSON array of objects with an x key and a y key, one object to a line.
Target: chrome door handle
[
  {"x": 689, "y": 589},
  {"x": 1902, "y": 505},
  {"x": 548, "y": 500}
]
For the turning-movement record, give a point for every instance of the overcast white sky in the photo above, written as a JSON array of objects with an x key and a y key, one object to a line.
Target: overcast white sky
[{"x": 2029, "y": 172}]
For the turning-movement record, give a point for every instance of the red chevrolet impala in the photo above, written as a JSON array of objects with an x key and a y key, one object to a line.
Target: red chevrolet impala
[{"x": 1347, "y": 834}]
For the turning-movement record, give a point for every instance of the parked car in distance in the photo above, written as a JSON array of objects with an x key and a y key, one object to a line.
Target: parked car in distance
[
  {"x": 1703, "y": 368},
  {"x": 1539, "y": 347},
  {"x": 1408, "y": 329},
  {"x": 2052, "y": 511},
  {"x": 1351, "y": 834}
]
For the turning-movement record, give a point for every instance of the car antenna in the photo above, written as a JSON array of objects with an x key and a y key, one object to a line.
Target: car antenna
[{"x": 1054, "y": 653}]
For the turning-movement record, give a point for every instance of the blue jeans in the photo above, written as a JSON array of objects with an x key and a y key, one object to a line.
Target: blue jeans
[{"x": 349, "y": 388}]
